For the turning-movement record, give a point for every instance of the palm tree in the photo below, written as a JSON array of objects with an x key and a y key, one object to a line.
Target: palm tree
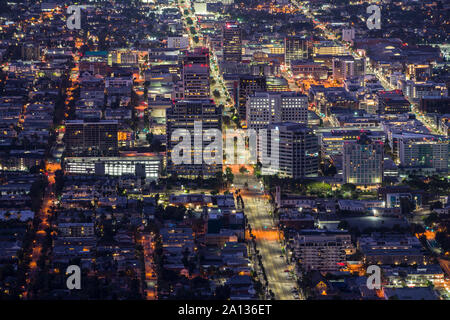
[{"x": 243, "y": 170}]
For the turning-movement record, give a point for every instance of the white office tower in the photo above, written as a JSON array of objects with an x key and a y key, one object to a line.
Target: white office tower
[
  {"x": 265, "y": 108},
  {"x": 424, "y": 151}
]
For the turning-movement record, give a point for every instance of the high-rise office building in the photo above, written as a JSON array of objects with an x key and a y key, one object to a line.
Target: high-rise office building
[
  {"x": 295, "y": 48},
  {"x": 232, "y": 42},
  {"x": 346, "y": 67},
  {"x": 183, "y": 115},
  {"x": 91, "y": 138},
  {"x": 297, "y": 153},
  {"x": 247, "y": 86},
  {"x": 196, "y": 74},
  {"x": 264, "y": 108},
  {"x": 424, "y": 151},
  {"x": 363, "y": 162}
]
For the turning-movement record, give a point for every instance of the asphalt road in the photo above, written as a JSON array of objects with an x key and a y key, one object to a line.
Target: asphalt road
[{"x": 257, "y": 210}]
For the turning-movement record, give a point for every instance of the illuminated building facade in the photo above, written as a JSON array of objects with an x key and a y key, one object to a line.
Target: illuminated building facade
[
  {"x": 322, "y": 250},
  {"x": 247, "y": 86},
  {"x": 196, "y": 74},
  {"x": 298, "y": 151},
  {"x": 363, "y": 162},
  {"x": 91, "y": 138},
  {"x": 182, "y": 115},
  {"x": 424, "y": 152},
  {"x": 264, "y": 108},
  {"x": 391, "y": 249},
  {"x": 142, "y": 166},
  {"x": 346, "y": 67},
  {"x": 309, "y": 70},
  {"x": 332, "y": 141},
  {"x": 393, "y": 102},
  {"x": 295, "y": 48},
  {"x": 232, "y": 42}
]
